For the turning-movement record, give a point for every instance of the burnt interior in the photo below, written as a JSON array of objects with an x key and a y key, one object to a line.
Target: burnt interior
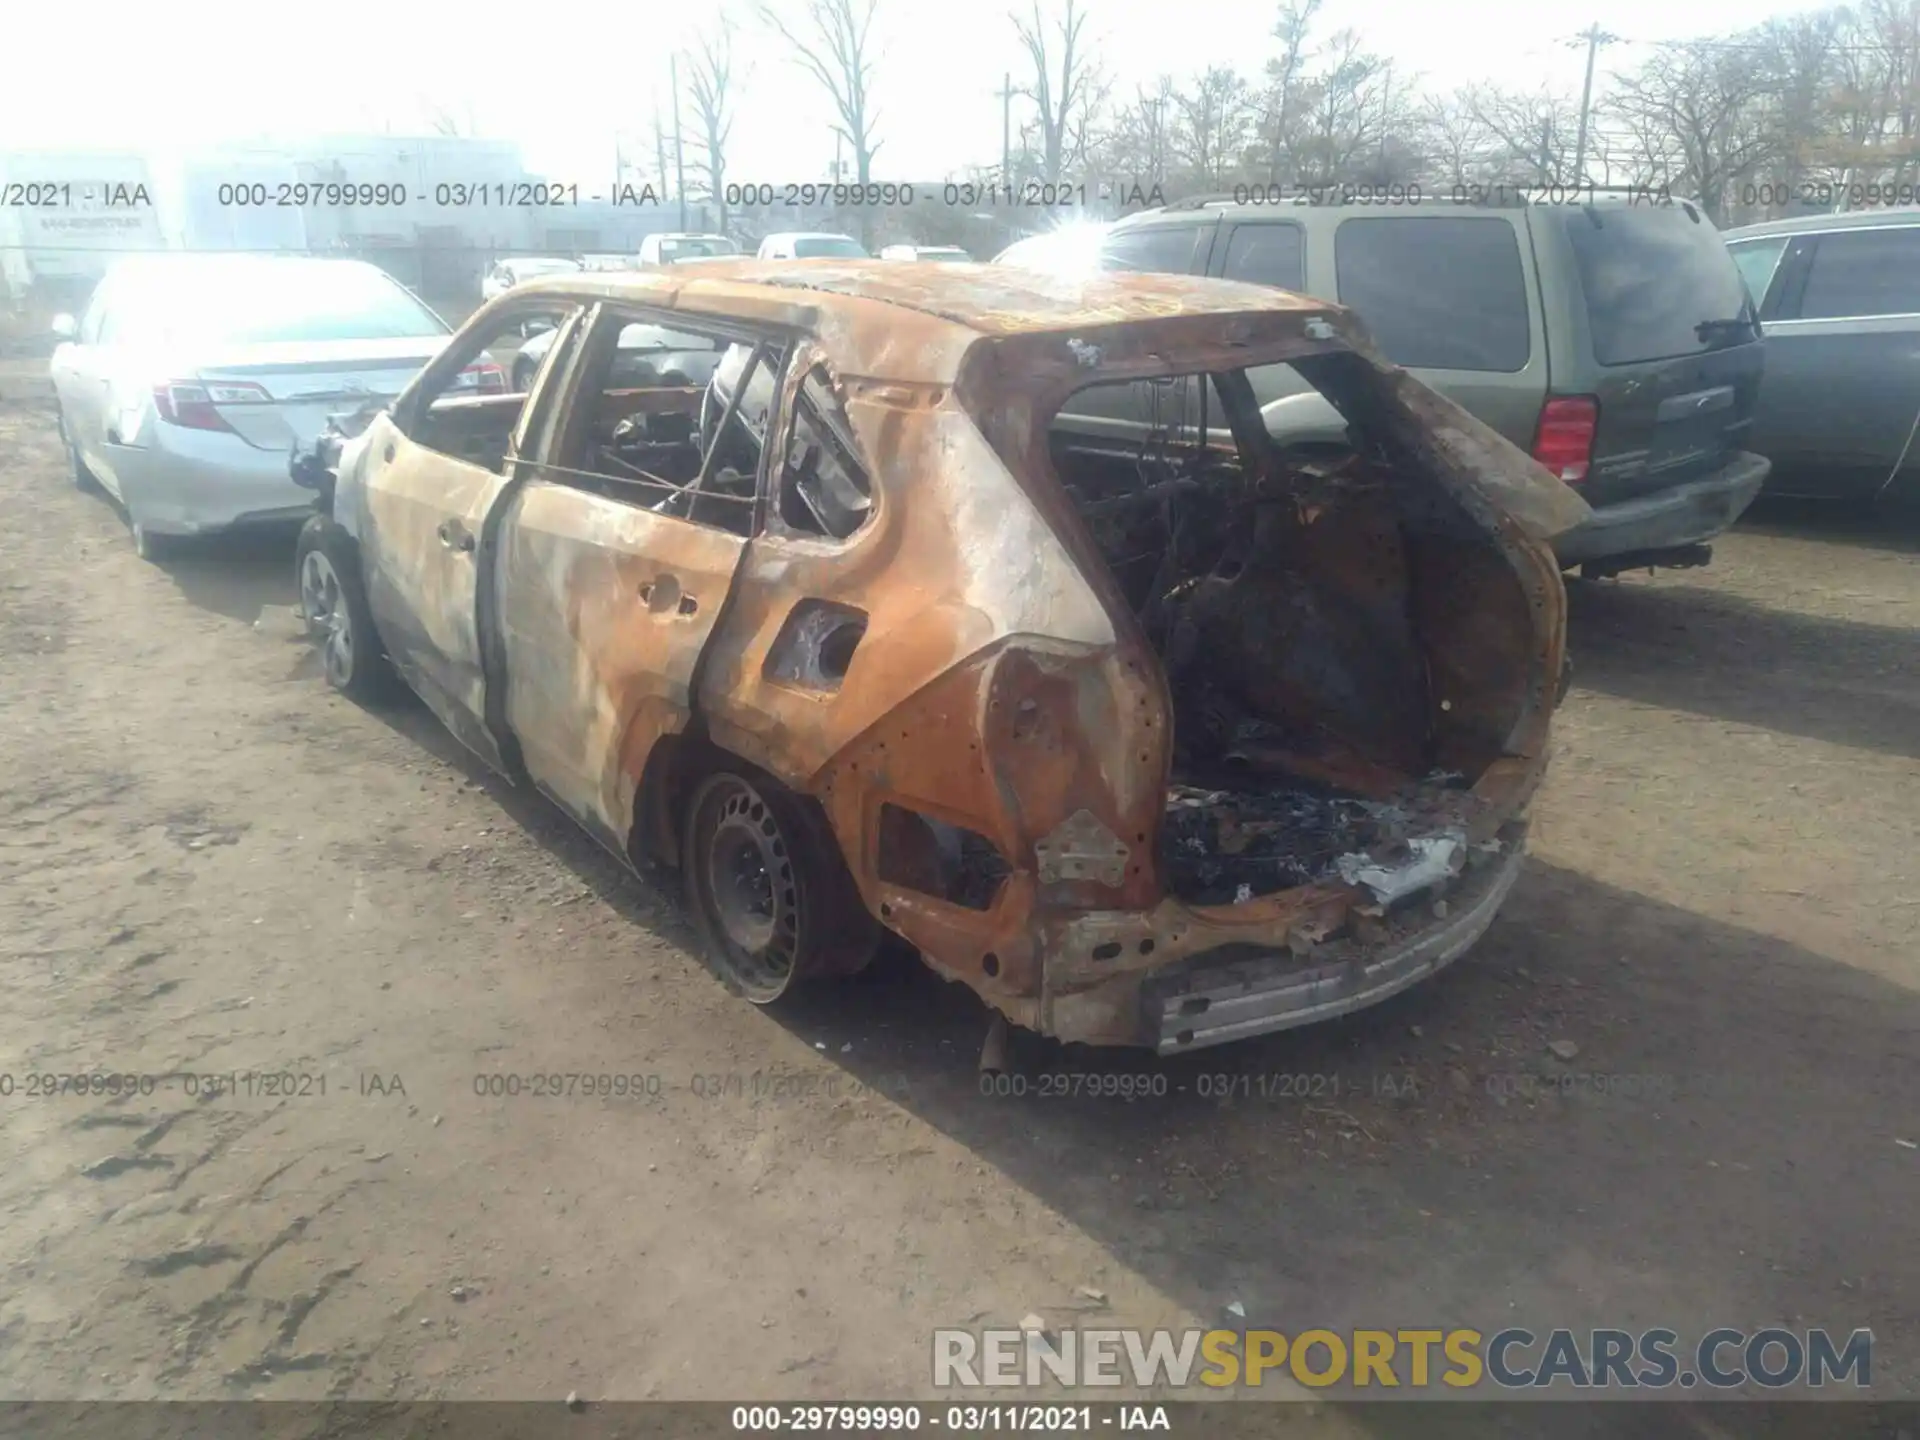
[{"x": 1346, "y": 647}]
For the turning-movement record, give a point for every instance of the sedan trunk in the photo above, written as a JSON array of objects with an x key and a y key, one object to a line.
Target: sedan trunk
[{"x": 300, "y": 383}]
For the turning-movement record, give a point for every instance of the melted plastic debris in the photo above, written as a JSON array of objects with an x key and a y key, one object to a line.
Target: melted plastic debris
[
  {"x": 1220, "y": 847},
  {"x": 1433, "y": 860}
]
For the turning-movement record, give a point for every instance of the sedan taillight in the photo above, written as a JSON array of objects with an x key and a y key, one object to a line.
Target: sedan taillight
[
  {"x": 192, "y": 404},
  {"x": 484, "y": 376}
]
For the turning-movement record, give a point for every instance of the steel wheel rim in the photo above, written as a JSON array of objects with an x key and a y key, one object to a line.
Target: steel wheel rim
[
  {"x": 748, "y": 879},
  {"x": 324, "y": 603}
]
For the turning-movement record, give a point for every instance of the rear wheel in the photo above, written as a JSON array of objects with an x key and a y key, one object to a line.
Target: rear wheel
[
  {"x": 767, "y": 888},
  {"x": 333, "y": 603}
]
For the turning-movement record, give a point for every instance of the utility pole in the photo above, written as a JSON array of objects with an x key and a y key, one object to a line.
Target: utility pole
[
  {"x": 1595, "y": 38},
  {"x": 679, "y": 151},
  {"x": 1006, "y": 130},
  {"x": 659, "y": 145}
]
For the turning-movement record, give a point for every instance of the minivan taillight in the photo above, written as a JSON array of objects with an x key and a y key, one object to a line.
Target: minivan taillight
[
  {"x": 192, "y": 404},
  {"x": 1564, "y": 441}
]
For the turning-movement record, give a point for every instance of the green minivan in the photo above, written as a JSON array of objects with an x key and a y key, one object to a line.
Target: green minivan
[{"x": 1612, "y": 340}]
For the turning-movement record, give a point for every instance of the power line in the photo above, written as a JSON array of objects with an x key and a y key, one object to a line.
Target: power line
[{"x": 1754, "y": 47}]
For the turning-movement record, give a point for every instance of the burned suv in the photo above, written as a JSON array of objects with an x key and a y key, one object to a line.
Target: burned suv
[{"x": 1158, "y": 740}]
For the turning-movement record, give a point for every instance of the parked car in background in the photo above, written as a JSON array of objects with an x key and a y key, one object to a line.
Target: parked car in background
[
  {"x": 670, "y": 249},
  {"x": 810, "y": 245},
  {"x": 190, "y": 378},
  {"x": 1614, "y": 341},
  {"x": 649, "y": 355},
  {"x": 1068, "y": 249},
  {"x": 939, "y": 254},
  {"x": 509, "y": 273},
  {"x": 1159, "y": 745},
  {"x": 1839, "y": 298}
]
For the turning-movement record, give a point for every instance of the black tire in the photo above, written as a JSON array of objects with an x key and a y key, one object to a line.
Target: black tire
[
  {"x": 333, "y": 604},
  {"x": 523, "y": 372},
  {"x": 83, "y": 478},
  {"x": 766, "y": 886}
]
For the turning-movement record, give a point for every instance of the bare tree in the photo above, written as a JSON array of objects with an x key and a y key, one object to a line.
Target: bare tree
[
  {"x": 1531, "y": 134},
  {"x": 1210, "y": 132},
  {"x": 1139, "y": 142},
  {"x": 710, "y": 89},
  {"x": 1284, "y": 76},
  {"x": 1703, "y": 114},
  {"x": 1064, "y": 83},
  {"x": 835, "y": 47},
  {"x": 1343, "y": 112},
  {"x": 445, "y": 120},
  {"x": 1455, "y": 138}
]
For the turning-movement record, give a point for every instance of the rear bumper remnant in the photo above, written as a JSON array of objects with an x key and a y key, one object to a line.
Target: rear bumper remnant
[
  {"x": 1667, "y": 519},
  {"x": 1214, "y": 1003}
]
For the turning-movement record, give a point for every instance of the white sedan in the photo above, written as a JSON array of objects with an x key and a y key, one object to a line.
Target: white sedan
[
  {"x": 190, "y": 378},
  {"x": 509, "y": 273}
]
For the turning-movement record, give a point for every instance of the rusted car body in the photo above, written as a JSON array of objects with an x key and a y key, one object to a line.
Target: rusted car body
[{"x": 1158, "y": 740}]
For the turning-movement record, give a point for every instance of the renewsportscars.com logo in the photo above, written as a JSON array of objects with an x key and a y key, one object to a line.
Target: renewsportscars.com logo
[{"x": 1372, "y": 1360}]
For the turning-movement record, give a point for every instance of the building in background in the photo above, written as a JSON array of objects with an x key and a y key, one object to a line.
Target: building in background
[{"x": 68, "y": 214}]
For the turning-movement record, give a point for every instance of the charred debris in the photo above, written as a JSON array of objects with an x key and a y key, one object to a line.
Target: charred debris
[{"x": 1280, "y": 587}]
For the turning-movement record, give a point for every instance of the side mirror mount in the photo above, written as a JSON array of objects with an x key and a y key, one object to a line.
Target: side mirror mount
[{"x": 65, "y": 326}]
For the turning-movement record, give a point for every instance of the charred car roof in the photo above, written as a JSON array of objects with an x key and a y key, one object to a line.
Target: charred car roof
[{"x": 986, "y": 299}]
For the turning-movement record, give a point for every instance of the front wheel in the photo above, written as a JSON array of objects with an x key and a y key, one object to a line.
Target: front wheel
[
  {"x": 333, "y": 603},
  {"x": 767, "y": 888}
]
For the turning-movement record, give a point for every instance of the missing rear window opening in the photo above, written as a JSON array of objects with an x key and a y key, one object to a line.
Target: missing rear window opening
[{"x": 1332, "y": 693}]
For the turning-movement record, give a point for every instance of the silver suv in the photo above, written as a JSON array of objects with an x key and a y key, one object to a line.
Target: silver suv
[{"x": 1613, "y": 340}]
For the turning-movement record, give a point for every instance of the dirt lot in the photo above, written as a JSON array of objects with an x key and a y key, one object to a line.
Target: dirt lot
[{"x": 213, "y": 865}]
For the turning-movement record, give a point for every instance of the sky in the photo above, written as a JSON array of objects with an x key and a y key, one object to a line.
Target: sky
[{"x": 563, "y": 78}]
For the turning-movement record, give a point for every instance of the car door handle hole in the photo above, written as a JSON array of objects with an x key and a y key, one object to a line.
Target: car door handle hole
[{"x": 689, "y": 605}]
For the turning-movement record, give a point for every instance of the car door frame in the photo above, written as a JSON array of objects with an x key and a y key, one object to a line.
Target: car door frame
[
  {"x": 1782, "y": 325},
  {"x": 600, "y": 786},
  {"x": 397, "y": 600}
]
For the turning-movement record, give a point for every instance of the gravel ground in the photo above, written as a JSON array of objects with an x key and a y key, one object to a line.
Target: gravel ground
[{"x": 214, "y": 865}]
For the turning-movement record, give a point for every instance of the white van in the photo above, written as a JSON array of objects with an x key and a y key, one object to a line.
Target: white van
[{"x": 810, "y": 245}]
